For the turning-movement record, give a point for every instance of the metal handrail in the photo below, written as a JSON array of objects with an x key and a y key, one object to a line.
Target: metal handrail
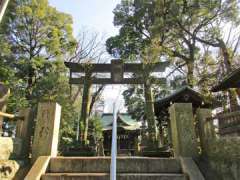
[
  {"x": 113, "y": 170},
  {"x": 3, "y": 7},
  {"x": 11, "y": 116}
]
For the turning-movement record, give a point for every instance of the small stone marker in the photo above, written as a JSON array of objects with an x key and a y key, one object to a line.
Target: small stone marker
[{"x": 45, "y": 142}]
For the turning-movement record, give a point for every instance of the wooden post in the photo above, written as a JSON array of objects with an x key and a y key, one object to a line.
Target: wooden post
[{"x": 45, "y": 141}]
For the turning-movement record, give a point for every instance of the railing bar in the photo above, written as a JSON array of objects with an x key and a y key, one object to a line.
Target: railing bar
[
  {"x": 113, "y": 170},
  {"x": 11, "y": 116}
]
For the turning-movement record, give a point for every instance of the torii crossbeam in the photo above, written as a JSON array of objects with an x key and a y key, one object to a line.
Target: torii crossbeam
[{"x": 117, "y": 69}]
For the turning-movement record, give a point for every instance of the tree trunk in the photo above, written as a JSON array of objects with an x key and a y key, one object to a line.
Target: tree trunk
[
  {"x": 29, "y": 88},
  {"x": 238, "y": 92},
  {"x": 86, "y": 100},
  {"x": 30, "y": 80},
  {"x": 190, "y": 77},
  {"x": 226, "y": 56},
  {"x": 161, "y": 136},
  {"x": 149, "y": 113},
  {"x": 227, "y": 64},
  {"x": 31, "y": 73},
  {"x": 233, "y": 99},
  {"x": 95, "y": 97}
]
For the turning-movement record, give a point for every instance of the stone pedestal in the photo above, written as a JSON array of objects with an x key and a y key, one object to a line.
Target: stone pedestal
[
  {"x": 45, "y": 142},
  {"x": 183, "y": 130}
]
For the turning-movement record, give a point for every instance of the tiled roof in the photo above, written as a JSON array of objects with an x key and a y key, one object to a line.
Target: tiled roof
[
  {"x": 232, "y": 80},
  {"x": 124, "y": 120}
]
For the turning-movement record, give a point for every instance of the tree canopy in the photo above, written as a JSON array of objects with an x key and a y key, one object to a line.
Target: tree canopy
[{"x": 35, "y": 39}]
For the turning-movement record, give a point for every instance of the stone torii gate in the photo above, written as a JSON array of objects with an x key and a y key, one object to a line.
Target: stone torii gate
[{"x": 117, "y": 69}]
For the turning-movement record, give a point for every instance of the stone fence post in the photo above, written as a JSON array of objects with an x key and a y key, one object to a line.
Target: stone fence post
[
  {"x": 24, "y": 130},
  {"x": 4, "y": 95},
  {"x": 206, "y": 129},
  {"x": 45, "y": 141},
  {"x": 183, "y": 130}
]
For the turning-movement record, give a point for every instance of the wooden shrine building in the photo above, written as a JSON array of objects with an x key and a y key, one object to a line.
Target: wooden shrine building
[
  {"x": 229, "y": 120},
  {"x": 232, "y": 80},
  {"x": 128, "y": 131},
  {"x": 182, "y": 95}
]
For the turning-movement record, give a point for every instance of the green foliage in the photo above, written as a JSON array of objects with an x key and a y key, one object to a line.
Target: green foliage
[
  {"x": 34, "y": 40},
  {"x": 134, "y": 101},
  {"x": 179, "y": 24},
  {"x": 34, "y": 35},
  {"x": 54, "y": 87},
  {"x": 95, "y": 128},
  {"x": 174, "y": 30},
  {"x": 135, "y": 19}
]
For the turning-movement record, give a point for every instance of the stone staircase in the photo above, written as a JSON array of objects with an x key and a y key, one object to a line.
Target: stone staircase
[{"x": 128, "y": 168}]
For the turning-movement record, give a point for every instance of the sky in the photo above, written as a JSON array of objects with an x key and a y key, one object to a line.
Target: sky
[
  {"x": 94, "y": 14},
  {"x": 97, "y": 16}
]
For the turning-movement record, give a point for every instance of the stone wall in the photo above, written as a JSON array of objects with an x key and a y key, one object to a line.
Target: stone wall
[
  {"x": 10, "y": 148},
  {"x": 12, "y": 163},
  {"x": 220, "y": 158},
  {"x": 14, "y": 152}
]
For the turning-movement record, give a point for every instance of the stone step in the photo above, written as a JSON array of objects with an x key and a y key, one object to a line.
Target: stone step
[
  {"x": 105, "y": 176},
  {"x": 124, "y": 165}
]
